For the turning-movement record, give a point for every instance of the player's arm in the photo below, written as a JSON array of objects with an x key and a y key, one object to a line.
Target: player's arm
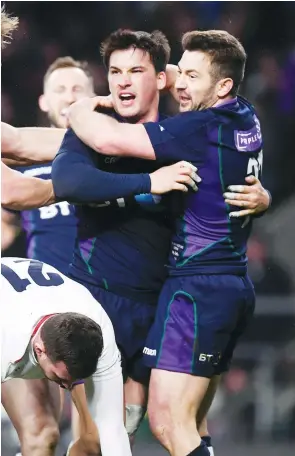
[
  {"x": 105, "y": 134},
  {"x": 253, "y": 198},
  {"x": 106, "y": 406},
  {"x": 9, "y": 228},
  {"x": 169, "y": 140},
  {"x": 29, "y": 144},
  {"x": 76, "y": 178},
  {"x": 20, "y": 192},
  {"x": 88, "y": 442}
]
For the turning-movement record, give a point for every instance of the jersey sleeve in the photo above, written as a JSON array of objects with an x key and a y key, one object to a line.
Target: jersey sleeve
[
  {"x": 106, "y": 404},
  {"x": 182, "y": 137},
  {"x": 77, "y": 179}
]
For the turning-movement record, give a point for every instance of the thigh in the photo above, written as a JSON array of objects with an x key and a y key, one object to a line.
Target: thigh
[
  {"x": 208, "y": 399},
  {"x": 183, "y": 397},
  {"x": 31, "y": 403}
]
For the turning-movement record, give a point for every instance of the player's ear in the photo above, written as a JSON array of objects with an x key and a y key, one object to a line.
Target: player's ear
[
  {"x": 224, "y": 87},
  {"x": 43, "y": 103},
  {"x": 161, "y": 80},
  {"x": 39, "y": 348}
]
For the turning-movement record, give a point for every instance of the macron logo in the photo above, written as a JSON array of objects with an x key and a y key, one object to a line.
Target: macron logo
[
  {"x": 149, "y": 351},
  {"x": 161, "y": 128}
]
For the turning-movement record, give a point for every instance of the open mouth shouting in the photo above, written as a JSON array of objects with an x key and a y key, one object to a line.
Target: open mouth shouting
[{"x": 127, "y": 98}]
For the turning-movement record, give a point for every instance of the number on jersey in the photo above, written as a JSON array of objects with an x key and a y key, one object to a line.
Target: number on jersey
[
  {"x": 255, "y": 166},
  {"x": 35, "y": 275}
]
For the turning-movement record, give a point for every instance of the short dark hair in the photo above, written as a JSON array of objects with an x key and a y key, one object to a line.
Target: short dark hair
[
  {"x": 67, "y": 62},
  {"x": 74, "y": 339},
  {"x": 155, "y": 44},
  {"x": 228, "y": 57}
]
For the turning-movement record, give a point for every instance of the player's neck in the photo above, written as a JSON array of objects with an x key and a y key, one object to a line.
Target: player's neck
[
  {"x": 222, "y": 101},
  {"x": 152, "y": 115}
]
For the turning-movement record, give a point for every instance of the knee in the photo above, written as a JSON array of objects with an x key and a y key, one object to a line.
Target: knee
[
  {"x": 167, "y": 418},
  {"x": 40, "y": 439},
  {"x": 161, "y": 420}
]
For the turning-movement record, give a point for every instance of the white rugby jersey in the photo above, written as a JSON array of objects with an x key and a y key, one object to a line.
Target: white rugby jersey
[
  {"x": 30, "y": 291},
  {"x": 22, "y": 310}
]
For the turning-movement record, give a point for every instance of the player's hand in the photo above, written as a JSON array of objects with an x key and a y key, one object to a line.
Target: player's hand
[
  {"x": 87, "y": 105},
  {"x": 253, "y": 198},
  {"x": 179, "y": 176},
  {"x": 104, "y": 102}
]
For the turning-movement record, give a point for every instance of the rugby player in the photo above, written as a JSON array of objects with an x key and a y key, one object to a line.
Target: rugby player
[
  {"x": 55, "y": 333},
  {"x": 121, "y": 247},
  {"x": 207, "y": 300},
  {"x": 51, "y": 228},
  {"x": 23, "y": 146},
  {"x": 110, "y": 250},
  {"x": 26, "y": 192}
]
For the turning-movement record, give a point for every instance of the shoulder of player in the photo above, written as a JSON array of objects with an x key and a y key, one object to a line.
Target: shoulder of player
[{"x": 188, "y": 122}]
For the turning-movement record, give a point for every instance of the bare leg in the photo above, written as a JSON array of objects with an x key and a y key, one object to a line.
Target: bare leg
[
  {"x": 205, "y": 406},
  {"x": 135, "y": 395},
  {"x": 34, "y": 409},
  {"x": 173, "y": 409}
]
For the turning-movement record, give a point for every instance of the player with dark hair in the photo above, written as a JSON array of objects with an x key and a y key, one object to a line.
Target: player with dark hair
[
  {"x": 53, "y": 329},
  {"x": 51, "y": 229},
  {"x": 121, "y": 247},
  {"x": 208, "y": 298},
  {"x": 122, "y": 253}
]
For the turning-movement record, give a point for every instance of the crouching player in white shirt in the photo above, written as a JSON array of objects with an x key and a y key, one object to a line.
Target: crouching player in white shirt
[{"x": 53, "y": 329}]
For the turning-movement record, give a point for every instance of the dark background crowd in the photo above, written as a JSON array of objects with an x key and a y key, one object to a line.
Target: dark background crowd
[{"x": 257, "y": 399}]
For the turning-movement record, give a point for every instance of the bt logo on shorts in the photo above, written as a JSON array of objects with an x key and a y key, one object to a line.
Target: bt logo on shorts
[
  {"x": 149, "y": 351},
  {"x": 210, "y": 358}
]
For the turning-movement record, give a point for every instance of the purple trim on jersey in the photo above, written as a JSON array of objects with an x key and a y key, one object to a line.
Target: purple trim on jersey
[{"x": 86, "y": 248}]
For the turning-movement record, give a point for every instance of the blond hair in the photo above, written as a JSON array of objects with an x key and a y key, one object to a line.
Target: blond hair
[
  {"x": 67, "y": 62},
  {"x": 8, "y": 25}
]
